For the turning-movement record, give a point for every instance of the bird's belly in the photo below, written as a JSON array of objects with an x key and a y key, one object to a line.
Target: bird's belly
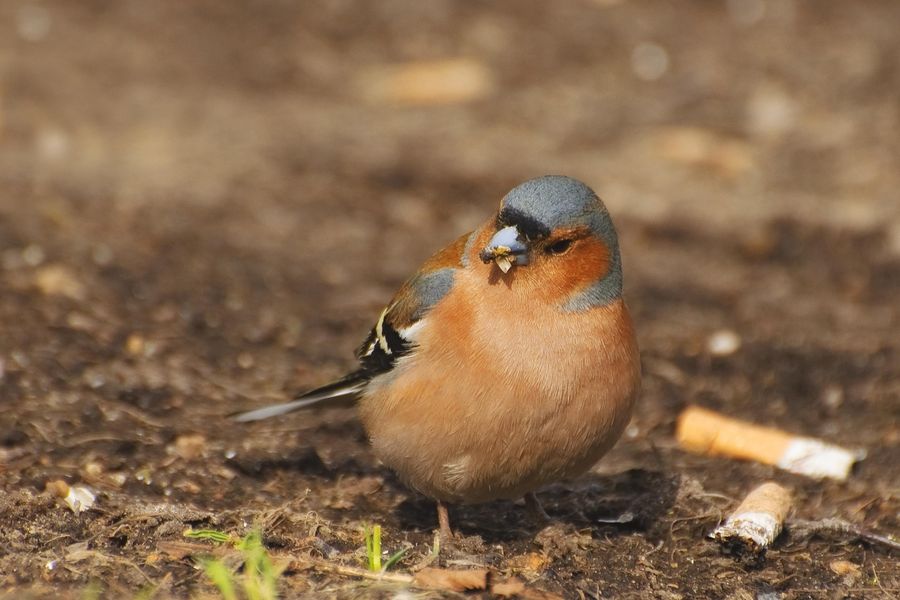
[
  {"x": 473, "y": 430},
  {"x": 451, "y": 443}
]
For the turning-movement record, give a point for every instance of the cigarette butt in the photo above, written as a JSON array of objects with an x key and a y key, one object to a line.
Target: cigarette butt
[
  {"x": 756, "y": 522},
  {"x": 707, "y": 432},
  {"x": 78, "y": 498}
]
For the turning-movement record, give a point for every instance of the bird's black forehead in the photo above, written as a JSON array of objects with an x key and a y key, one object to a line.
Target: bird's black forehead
[{"x": 527, "y": 225}]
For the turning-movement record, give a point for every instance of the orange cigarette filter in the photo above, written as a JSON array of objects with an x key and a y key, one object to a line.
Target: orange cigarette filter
[
  {"x": 769, "y": 498},
  {"x": 707, "y": 432}
]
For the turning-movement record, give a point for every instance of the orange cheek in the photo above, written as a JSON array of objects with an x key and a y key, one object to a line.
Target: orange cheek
[{"x": 585, "y": 264}]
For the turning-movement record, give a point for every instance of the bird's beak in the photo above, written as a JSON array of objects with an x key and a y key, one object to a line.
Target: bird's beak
[{"x": 506, "y": 249}]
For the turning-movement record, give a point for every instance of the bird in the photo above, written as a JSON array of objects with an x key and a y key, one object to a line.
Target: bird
[{"x": 507, "y": 362}]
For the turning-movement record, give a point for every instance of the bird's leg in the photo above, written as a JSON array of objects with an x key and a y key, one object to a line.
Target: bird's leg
[
  {"x": 537, "y": 512},
  {"x": 444, "y": 522}
]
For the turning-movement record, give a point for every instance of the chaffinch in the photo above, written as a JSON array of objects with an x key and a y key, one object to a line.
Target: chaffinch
[{"x": 507, "y": 362}]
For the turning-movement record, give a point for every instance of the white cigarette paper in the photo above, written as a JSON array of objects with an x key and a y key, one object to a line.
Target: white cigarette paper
[
  {"x": 815, "y": 458},
  {"x": 757, "y": 521}
]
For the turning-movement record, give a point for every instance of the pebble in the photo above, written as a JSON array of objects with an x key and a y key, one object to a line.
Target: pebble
[
  {"x": 833, "y": 397},
  {"x": 33, "y": 255},
  {"x": 189, "y": 446},
  {"x": 58, "y": 280},
  {"x": 723, "y": 343},
  {"x": 102, "y": 255},
  {"x": 33, "y": 22},
  {"x": 705, "y": 149},
  {"x": 52, "y": 145},
  {"x": 134, "y": 345},
  {"x": 245, "y": 360},
  {"x": 649, "y": 61},
  {"x": 843, "y": 567},
  {"x": 771, "y": 112},
  {"x": 435, "y": 82}
]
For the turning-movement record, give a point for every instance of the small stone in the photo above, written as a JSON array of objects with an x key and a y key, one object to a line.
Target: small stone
[
  {"x": 134, "y": 345},
  {"x": 33, "y": 22},
  {"x": 723, "y": 343},
  {"x": 52, "y": 145},
  {"x": 833, "y": 397},
  {"x": 245, "y": 360},
  {"x": 20, "y": 358},
  {"x": 450, "y": 81},
  {"x": 649, "y": 61},
  {"x": 93, "y": 469},
  {"x": 58, "y": 280},
  {"x": 188, "y": 486},
  {"x": 771, "y": 112},
  {"x": 189, "y": 446},
  {"x": 728, "y": 157},
  {"x": 843, "y": 567},
  {"x": 102, "y": 255},
  {"x": 33, "y": 255},
  {"x": 80, "y": 322},
  {"x": 144, "y": 475},
  {"x": 117, "y": 479}
]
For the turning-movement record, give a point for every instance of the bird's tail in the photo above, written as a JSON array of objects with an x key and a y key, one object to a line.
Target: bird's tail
[{"x": 350, "y": 385}]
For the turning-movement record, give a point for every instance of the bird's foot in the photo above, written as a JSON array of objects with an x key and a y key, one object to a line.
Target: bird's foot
[
  {"x": 444, "y": 531},
  {"x": 443, "y": 539}
]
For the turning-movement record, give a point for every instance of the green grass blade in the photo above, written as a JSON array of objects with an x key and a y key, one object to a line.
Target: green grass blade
[
  {"x": 219, "y": 574},
  {"x": 376, "y": 548},
  {"x": 208, "y": 534},
  {"x": 373, "y": 547},
  {"x": 396, "y": 556},
  {"x": 260, "y": 576}
]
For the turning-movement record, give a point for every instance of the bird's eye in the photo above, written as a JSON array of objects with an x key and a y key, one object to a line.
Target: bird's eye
[{"x": 559, "y": 247}]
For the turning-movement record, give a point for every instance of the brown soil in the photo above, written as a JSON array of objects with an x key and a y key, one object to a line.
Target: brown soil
[{"x": 203, "y": 206}]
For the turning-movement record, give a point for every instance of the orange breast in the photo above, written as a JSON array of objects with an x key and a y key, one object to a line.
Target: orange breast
[{"x": 507, "y": 394}]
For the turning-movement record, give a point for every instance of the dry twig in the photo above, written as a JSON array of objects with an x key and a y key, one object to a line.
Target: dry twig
[{"x": 841, "y": 527}]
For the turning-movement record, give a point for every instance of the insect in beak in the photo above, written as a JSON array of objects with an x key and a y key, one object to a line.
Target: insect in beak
[{"x": 506, "y": 249}]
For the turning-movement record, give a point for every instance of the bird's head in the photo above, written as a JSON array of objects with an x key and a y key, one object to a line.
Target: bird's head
[{"x": 559, "y": 231}]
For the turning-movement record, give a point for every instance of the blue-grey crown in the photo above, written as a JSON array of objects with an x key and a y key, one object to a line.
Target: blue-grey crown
[{"x": 554, "y": 201}]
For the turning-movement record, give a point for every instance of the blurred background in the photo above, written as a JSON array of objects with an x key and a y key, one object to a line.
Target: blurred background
[
  {"x": 204, "y": 205},
  {"x": 339, "y": 139}
]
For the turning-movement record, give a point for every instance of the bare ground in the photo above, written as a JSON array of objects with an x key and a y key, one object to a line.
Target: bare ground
[{"x": 203, "y": 205}]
